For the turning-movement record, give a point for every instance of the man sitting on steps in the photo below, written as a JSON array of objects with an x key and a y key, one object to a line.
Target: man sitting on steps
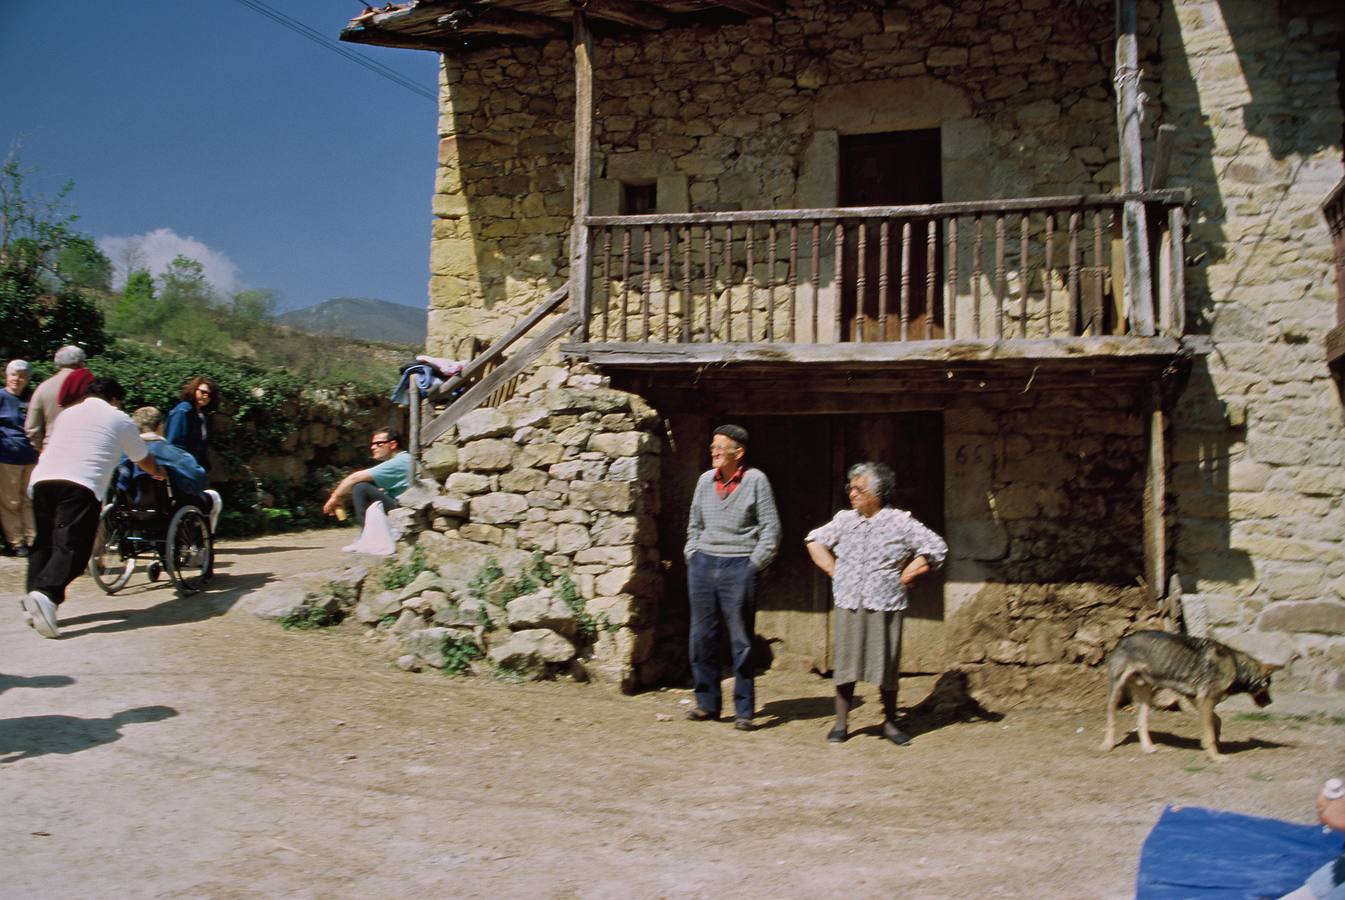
[{"x": 382, "y": 483}]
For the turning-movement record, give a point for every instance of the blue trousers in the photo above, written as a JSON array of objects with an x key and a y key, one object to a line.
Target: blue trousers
[{"x": 722, "y": 586}]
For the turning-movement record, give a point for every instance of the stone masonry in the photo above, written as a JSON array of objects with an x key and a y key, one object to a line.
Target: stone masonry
[{"x": 748, "y": 117}]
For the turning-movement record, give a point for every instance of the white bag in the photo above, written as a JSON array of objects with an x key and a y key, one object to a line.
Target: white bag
[{"x": 376, "y": 539}]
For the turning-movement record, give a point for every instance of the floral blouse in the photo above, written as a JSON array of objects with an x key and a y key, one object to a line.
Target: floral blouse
[{"x": 871, "y": 553}]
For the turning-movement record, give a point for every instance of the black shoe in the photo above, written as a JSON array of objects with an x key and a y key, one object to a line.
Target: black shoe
[
  {"x": 894, "y": 734},
  {"x": 21, "y": 551},
  {"x": 697, "y": 714},
  {"x": 742, "y": 724},
  {"x": 155, "y": 570},
  {"x": 838, "y": 735}
]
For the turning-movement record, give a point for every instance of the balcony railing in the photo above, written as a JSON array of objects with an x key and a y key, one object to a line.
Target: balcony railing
[{"x": 1048, "y": 267}]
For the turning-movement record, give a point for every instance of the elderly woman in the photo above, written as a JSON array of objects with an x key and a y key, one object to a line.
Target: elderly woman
[
  {"x": 188, "y": 420},
  {"x": 872, "y": 552}
]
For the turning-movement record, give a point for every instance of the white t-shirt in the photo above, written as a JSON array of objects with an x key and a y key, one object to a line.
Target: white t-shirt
[{"x": 86, "y": 443}]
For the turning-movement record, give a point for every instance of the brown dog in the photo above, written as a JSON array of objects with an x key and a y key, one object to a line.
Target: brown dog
[{"x": 1200, "y": 671}]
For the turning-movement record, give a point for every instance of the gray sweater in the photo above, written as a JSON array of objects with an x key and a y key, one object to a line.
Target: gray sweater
[{"x": 743, "y": 524}]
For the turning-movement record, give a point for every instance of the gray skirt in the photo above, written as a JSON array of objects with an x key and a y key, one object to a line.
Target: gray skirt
[{"x": 866, "y": 646}]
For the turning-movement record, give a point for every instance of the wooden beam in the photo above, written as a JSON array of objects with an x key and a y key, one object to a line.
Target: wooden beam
[
  {"x": 915, "y": 211},
  {"x": 1158, "y": 174},
  {"x": 478, "y": 392},
  {"x": 751, "y": 8},
  {"x": 498, "y": 21},
  {"x": 583, "y": 170},
  {"x": 1081, "y": 349},
  {"x": 644, "y": 16},
  {"x": 505, "y": 341},
  {"x": 1138, "y": 288},
  {"x": 1156, "y": 498}
]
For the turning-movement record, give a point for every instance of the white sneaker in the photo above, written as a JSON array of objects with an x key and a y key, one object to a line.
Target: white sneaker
[{"x": 43, "y": 613}]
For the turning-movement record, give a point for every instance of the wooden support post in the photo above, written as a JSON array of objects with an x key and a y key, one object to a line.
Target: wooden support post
[
  {"x": 1155, "y": 497},
  {"x": 1138, "y": 289},
  {"x": 583, "y": 170},
  {"x": 413, "y": 427}
]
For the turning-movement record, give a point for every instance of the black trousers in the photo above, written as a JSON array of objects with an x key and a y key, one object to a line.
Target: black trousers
[
  {"x": 364, "y": 494},
  {"x": 67, "y": 520}
]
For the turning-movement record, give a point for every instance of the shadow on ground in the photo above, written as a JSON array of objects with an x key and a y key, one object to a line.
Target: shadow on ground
[
  {"x": 215, "y": 601},
  {"x": 30, "y": 736}
]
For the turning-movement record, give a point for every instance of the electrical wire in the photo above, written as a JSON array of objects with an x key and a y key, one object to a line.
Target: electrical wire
[{"x": 322, "y": 40}]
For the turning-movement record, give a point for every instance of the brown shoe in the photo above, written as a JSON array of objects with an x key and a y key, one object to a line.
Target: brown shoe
[
  {"x": 742, "y": 724},
  {"x": 701, "y": 715}
]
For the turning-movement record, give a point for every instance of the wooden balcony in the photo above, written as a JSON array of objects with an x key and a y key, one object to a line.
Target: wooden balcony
[{"x": 1040, "y": 281}]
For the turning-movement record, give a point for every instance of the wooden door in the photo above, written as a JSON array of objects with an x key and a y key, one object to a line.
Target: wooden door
[{"x": 890, "y": 169}]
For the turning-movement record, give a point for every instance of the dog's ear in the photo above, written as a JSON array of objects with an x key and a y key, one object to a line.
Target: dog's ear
[{"x": 1267, "y": 668}]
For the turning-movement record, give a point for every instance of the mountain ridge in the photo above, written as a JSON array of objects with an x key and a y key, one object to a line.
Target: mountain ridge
[{"x": 360, "y": 318}]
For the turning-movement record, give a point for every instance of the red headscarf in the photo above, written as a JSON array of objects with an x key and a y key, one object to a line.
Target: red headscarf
[{"x": 75, "y": 387}]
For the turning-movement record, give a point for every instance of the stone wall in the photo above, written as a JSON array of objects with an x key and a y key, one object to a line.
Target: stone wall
[
  {"x": 1253, "y": 90},
  {"x": 1045, "y": 530},
  {"x": 748, "y": 116},
  {"x": 564, "y": 475}
]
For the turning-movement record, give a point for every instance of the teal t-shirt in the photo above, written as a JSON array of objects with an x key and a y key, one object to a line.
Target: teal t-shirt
[{"x": 393, "y": 476}]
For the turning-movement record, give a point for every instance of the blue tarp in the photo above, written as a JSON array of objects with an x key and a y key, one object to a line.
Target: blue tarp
[{"x": 1204, "y": 853}]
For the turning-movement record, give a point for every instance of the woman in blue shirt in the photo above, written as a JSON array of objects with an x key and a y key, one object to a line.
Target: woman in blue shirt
[{"x": 188, "y": 422}]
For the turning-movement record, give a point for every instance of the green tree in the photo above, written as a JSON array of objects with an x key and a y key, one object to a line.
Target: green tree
[
  {"x": 185, "y": 307},
  {"x": 39, "y": 311},
  {"x": 80, "y": 264},
  {"x": 134, "y": 310}
]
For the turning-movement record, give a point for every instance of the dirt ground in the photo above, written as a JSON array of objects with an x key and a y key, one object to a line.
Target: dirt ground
[{"x": 166, "y": 747}]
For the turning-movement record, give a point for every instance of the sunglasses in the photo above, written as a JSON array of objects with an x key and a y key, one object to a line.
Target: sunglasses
[{"x": 381, "y": 443}]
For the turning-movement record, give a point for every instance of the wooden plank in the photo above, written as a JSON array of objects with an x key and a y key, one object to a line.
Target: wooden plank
[
  {"x": 515, "y": 364},
  {"x": 496, "y": 21},
  {"x": 920, "y": 211},
  {"x": 583, "y": 170},
  {"x": 641, "y": 16},
  {"x": 751, "y": 8},
  {"x": 849, "y": 353},
  {"x": 1158, "y": 173},
  {"x": 478, "y": 365}
]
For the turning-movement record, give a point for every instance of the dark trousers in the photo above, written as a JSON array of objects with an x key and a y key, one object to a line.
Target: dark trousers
[
  {"x": 366, "y": 493},
  {"x": 66, "y": 515},
  {"x": 722, "y": 586}
]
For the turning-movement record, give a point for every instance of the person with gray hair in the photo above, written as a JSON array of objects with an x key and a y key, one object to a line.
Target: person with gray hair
[
  {"x": 873, "y": 552},
  {"x": 17, "y": 457},
  {"x": 733, "y": 533},
  {"x": 43, "y": 408},
  {"x": 187, "y": 476}
]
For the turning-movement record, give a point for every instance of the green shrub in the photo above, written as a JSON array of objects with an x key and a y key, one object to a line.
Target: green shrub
[
  {"x": 396, "y": 576},
  {"x": 459, "y": 653},
  {"x": 308, "y": 618}
]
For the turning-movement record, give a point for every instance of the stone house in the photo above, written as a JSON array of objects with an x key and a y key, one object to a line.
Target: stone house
[{"x": 1062, "y": 264}]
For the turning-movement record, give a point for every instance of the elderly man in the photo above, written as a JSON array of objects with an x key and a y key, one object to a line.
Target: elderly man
[
  {"x": 184, "y": 473},
  {"x": 732, "y": 535},
  {"x": 43, "y": 408},
  {"x": 69, "y": 483},
  {"x": 382, "y": 483},
  {"x": 16, "y": 460}
]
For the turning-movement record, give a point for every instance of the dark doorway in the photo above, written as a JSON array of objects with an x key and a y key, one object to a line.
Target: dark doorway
[
  {"x": 806, "y": 457},
  {"x": 895, "y": 168}
]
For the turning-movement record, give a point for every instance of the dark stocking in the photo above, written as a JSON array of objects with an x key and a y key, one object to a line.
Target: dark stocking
[
  {"x": 889, "y": 696},
  {"x": 845, "y": 695}
]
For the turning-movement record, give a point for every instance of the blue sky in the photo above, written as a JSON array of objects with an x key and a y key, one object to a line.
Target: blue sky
[{"x": 204, "y": 127}]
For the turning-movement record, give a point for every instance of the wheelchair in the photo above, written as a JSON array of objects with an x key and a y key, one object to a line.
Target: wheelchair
[{"x": 146, "y": 520}]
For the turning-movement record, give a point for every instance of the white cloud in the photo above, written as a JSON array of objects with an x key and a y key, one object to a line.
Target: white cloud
[{"x": 154, "y": 250}]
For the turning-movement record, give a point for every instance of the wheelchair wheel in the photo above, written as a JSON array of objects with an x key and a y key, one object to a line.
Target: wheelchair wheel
[
  {"x": 108, "y": 567},
  {"x": 188, "y": 550}
]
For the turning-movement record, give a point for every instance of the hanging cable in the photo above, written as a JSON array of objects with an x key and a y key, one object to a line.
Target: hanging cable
[{"x": 322, "y": 40}]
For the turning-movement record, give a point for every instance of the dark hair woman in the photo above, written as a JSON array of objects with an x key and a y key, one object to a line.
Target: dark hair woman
[{"x": 188, "y": 421}]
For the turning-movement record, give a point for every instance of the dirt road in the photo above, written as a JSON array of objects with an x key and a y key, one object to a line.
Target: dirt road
[{"x": 167, "y": 747}]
